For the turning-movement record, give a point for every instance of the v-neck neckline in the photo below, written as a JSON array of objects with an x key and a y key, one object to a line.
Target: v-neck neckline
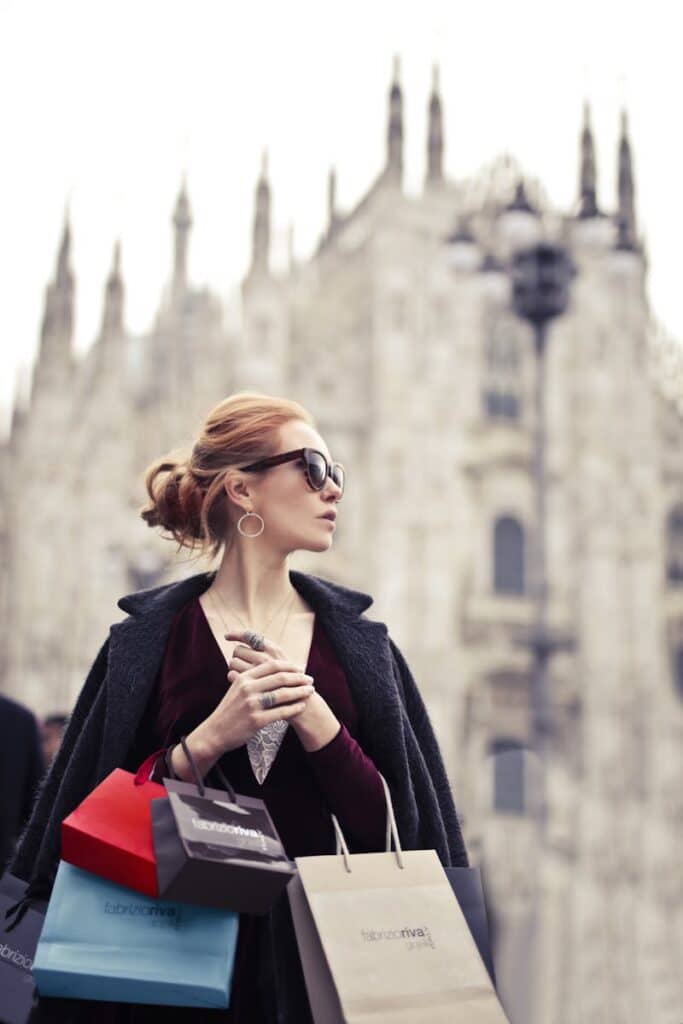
[{"x": 217, "y": 646}]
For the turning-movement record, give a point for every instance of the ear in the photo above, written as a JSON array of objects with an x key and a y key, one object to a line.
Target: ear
[{"x": 235, "y": 486}]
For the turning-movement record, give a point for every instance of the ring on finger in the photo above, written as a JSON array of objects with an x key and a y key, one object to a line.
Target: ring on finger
[
  {"x": 268, "y": 700},
  {"x": 255, "y": 640}
]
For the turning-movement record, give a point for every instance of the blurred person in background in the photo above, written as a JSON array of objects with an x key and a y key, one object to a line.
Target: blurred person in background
[
  {"x": 51, "y": 735},
  {"x": 21, "y": 769}
]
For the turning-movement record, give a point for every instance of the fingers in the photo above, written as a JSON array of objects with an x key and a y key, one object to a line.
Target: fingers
[
  {"x": 270, "y": 647},
  {"x": 283, "y": 695},
  {"x": 261, "y": 678},
  {"x": 284, "y": 711},
  {"x": 247, "y": 655},
  {"x": 268, "y": 667}
]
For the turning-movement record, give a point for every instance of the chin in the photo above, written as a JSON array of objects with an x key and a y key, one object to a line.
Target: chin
[{"x": 322, "y": 545}]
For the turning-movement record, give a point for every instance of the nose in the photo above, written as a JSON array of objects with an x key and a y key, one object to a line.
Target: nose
[{"x": 336, "y": 487}]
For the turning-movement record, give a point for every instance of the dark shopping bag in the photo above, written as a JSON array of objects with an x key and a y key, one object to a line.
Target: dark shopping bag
[
  {"x": 21, "y": 923},
  {"x": 217, "y": 848},
  {"x": 466, "y": 884}
]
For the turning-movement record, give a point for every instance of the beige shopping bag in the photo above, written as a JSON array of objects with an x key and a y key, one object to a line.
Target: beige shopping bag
[{"x": 383, "y": 940}]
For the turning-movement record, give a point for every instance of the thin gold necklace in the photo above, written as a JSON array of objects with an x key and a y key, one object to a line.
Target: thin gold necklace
[{"x": 291, "y": 601}]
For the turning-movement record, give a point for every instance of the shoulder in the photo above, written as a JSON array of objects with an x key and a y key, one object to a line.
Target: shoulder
[
  {"x": 165, "y": 596},
  {"x": 16, "y": 715}
]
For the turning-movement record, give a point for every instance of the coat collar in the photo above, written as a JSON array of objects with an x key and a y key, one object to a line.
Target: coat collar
[
  {"x": 323, "y": 595},
  {"x": 137, "y": 646}
]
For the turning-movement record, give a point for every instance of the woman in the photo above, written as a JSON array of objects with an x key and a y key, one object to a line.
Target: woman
[{"x": 269, "y": 671}]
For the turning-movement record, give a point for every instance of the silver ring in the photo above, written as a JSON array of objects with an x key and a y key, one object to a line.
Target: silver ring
[
  {"x": 268, "y": 700},
  {"x": 255, "y": 640}
]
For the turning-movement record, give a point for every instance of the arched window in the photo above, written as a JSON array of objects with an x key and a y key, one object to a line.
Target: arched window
[
  {"x": 508, "y": 556},
  {"x": 502, "y": 370},
  {"x": 678, "y": 671},
  {"x": 508, "y": 775},
  {"x": 674, "y": 546}
]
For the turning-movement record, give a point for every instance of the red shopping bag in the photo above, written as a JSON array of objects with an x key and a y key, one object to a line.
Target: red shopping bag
[{"x": 110, "y": 832}]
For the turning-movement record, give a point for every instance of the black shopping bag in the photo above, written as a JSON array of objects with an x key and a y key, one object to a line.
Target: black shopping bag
[
  {"x": 466, "y": 884},
  {"x": 217, "y": 848},
  {"x": 21, "y": 922}
]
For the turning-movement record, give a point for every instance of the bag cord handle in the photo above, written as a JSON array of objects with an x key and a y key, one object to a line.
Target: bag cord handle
[
  {"x": 392, "y": 830},
  {"x": 195, "y": 771},
  {"x": 38, "y": 889}
]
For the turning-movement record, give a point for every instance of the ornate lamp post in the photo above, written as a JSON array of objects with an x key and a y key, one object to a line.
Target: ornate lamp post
[{"x": 541, "y": 275}]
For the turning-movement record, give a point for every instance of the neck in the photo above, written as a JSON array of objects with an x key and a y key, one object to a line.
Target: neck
[{"x": 253, "y": 585}]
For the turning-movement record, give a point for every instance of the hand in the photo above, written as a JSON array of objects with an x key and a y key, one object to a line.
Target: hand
[
  {"x": 252, "y": 674},
  {"x": 315, "y": 723}
]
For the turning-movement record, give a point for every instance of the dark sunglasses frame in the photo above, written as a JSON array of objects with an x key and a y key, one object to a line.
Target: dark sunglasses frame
[{"x": 303, "y": 454}]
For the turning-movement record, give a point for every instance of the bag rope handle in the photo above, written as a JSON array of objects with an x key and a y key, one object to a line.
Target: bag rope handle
[
  {"x": 392, "y": 830},
  {"x": 195, "y": 771}
]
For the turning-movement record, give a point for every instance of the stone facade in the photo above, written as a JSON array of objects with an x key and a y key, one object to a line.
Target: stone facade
[{"x": 397, "y": 334}]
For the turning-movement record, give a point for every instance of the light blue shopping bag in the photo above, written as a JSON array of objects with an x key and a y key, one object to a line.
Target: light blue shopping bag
[{"x": 101, "y": 941}]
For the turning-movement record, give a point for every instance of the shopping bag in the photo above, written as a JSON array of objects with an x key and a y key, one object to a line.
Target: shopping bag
[
  {"x": 217, "y": 848},
  {"x": 382, "y": 939},
  {"x": 21, "y": 922},
  {"x": 103, "y": 941},
  {"x": 467, "y": 886},
  {"x": 110, "y": 832}
]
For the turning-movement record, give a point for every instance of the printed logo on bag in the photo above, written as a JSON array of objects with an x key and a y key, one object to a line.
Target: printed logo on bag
[
  {"x": 207, "y": 827},
  {"x": 15, "y": 957},
  {"x": 156, "y": 914},
  {"x": 415, "y": 938},
  {"x": 220, "y": 826}
]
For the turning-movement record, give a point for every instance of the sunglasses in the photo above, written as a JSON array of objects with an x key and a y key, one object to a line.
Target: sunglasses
[{"x": 316, "y": 467}]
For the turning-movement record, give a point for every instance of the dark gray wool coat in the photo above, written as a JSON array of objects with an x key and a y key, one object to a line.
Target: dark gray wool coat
[{"x": 395, "y": 731}]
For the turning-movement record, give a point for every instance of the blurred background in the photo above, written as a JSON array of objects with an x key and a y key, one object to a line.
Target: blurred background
[{"x": 454, "y": 235}]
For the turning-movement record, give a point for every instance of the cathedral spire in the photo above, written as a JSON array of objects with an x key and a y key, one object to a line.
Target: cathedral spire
[
  {"x": 261, "y": 230},
  {"x": 182, "y": 223},
  {"x": 54, "y": 356},
  {"x": 395, "y": 128},
  {"x": 588, "y": 202},
  {"x": 435, "y": 133},
  {"x": 626, "y": 215},
  {"x": 64, "y": 275},
  {"x": 112, "y": 315},
  {"x": 331, "y": 198},
  {"x": 520, "y": 202},
  {"x": 58, "y": 313},
  {"x": 291, "y": 259}
]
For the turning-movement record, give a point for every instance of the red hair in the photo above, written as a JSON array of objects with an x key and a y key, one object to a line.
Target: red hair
[{"x": 186, "y": 491}]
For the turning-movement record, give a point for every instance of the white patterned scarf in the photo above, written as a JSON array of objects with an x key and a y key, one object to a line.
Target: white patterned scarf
[{"x": 263, "y": 746}]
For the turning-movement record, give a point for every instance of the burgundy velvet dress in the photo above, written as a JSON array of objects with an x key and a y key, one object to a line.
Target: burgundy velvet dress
[{"x": 300, "y": 790}]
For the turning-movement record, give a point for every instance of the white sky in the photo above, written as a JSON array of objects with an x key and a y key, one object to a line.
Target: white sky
[{"x": 106, "y": 105}]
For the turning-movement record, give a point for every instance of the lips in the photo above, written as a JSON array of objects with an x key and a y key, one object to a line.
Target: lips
[{"x": 329, "y": 515}]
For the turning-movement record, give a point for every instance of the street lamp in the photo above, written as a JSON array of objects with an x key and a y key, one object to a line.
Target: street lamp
[{"x": 540, "y": 276}]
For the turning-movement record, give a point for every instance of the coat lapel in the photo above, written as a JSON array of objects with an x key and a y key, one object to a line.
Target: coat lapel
[{"x": 137, "y": 647}]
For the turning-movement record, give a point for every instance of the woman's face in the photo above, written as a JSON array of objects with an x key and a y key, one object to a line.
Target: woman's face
[{"x": 290, "y": 508}]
